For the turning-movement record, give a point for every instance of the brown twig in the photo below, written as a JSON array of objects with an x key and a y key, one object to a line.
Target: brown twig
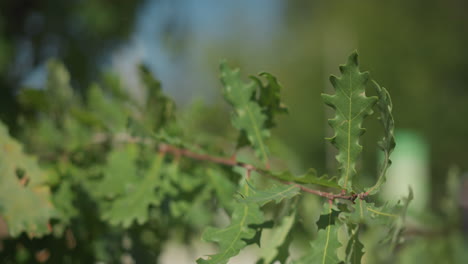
[
  {"x": 178, "y": 152},
  {"x": 203, "y": 157},
  {"x": 165, "y": 148}
]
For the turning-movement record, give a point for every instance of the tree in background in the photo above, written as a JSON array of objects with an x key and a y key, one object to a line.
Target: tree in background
[{"x": 80, "y": 33}]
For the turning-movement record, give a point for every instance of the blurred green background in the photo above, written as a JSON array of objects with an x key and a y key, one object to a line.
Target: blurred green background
[{"x": 416, "y": 49}]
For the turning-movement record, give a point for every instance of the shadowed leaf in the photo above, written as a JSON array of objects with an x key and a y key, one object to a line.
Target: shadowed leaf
[
  {"x": 231, "y": 239},
  {"x": 271, "y": 249},
  {"x": 387, "y": 144},
  {"x": 133, "y": 205},
  {"x": 247, "y": 115},
  {"x": 324, "y": 247}
]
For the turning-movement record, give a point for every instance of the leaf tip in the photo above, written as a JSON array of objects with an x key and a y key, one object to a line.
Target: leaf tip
[
  {"x": 353, "y": 58},
  {"x": 225, "y": 68}
]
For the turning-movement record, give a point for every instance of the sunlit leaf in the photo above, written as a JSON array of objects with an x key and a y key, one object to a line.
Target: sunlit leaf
[{"x": 25, "y": 200}]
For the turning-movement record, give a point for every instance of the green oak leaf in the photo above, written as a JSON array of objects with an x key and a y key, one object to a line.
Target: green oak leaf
[
  {"x": 269, "y": 98},
  {"x": 352, "y": 250},
  {"x": 106, "y": 112},
  {"x": 400, "y": 224},
  {"x": 119, "y": 172},
  {"x": 112, "y": 83},
  {"x": 231, "y": 239},
  {"x": 384, "y": 215},
  {"x": 310, "y": 177},
  {"x": 382, "y": 227},
  {"x": 387, "y": 144},
  {"x": 198, "y": 215},
  {"x": 171, "y": 180},
  {"x": 360, "y": 212},
  {"x": 160, "y": 109},
  {"x": 352, "y": 106},
  {"x": 59, "y": 90},
  {"x": 258, "y": 232},
  {"x": 247, "y": 115},
  {"x": 376, "y": 250},
  {"x": 325, "y": 246},
  {"x": 277, "y": 241},
  {"x": 164, "y": 137},
  {"x": 42, "y": 139},
  {"x": 75, "y": 134},
  {"x": 275, "y": 193},
  {"x": 25, "y": 199},
  {"x": 384, "y": 230},
  {"x": 63, "y": 200},
  {"x": 223, "y": 187},
  {"x": 135, "y": 202}
]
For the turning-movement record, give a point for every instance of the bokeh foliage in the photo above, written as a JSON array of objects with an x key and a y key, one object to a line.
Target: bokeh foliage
[{"x": 415, "y": 49}]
